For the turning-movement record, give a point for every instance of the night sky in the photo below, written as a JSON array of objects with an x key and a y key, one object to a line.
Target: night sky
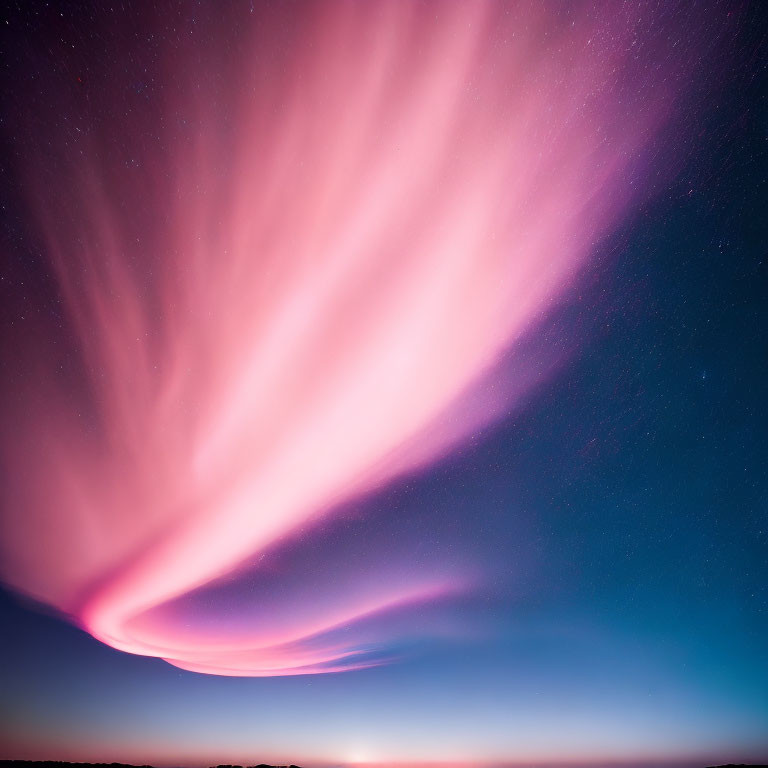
[{"x": 578, "y": 574}]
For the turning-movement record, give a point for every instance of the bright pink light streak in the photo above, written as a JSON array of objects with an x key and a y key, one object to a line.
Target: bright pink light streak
[{"x": 277, "y": 317}]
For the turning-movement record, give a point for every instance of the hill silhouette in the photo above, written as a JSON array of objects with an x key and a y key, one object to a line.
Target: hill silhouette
[{"x": 64, "y": 764}]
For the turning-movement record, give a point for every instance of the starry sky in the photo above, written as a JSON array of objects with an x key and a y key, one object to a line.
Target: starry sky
[{"x": 518, "y": 517}]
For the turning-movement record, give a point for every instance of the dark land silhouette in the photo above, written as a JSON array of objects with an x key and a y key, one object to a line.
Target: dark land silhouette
[{"x": 64, "y": 764}]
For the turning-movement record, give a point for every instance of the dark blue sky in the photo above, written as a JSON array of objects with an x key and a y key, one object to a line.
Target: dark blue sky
[{"x": 624, "y": 511}]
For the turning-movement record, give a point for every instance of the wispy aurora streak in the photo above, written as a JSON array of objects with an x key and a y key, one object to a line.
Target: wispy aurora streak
[{"x": 293, "y": 278}]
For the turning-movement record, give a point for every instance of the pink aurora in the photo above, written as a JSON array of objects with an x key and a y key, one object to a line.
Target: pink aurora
[{"x": 299, "y": 287}]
